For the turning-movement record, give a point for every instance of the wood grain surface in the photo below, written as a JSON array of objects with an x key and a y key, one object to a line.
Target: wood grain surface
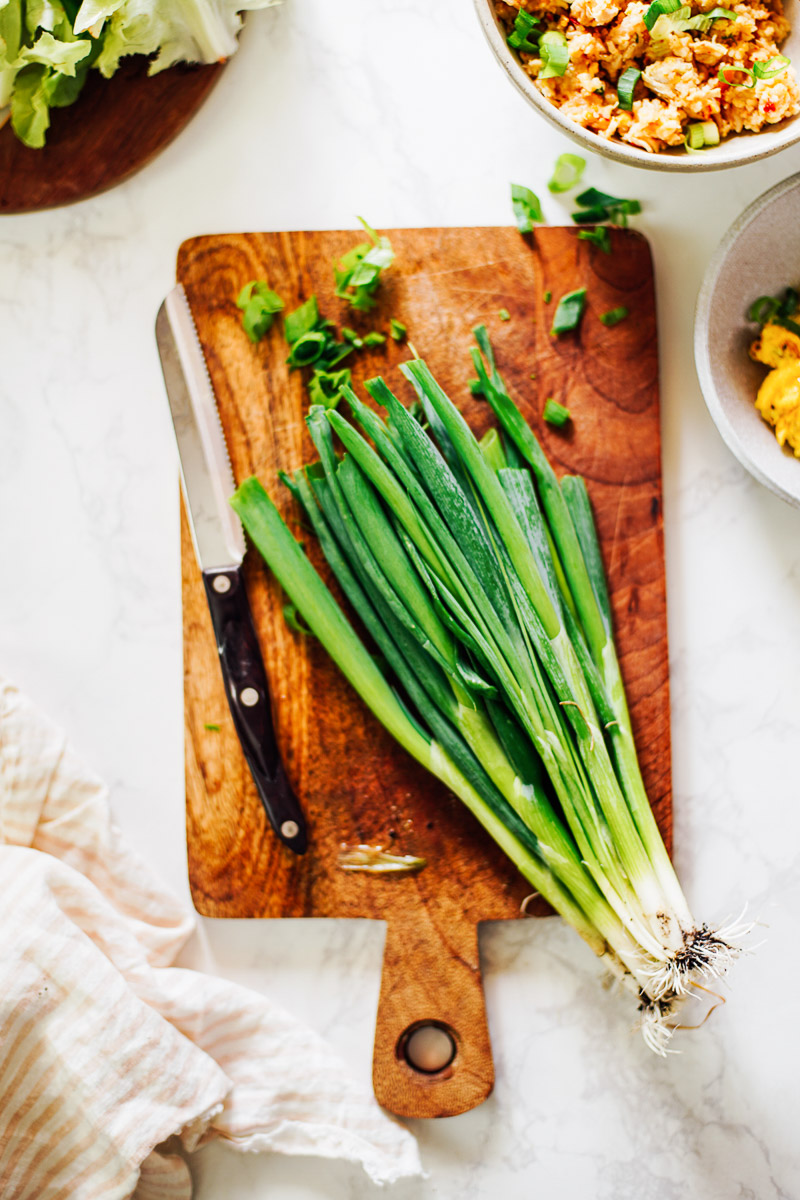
[
  {"x": 114, "y": 128},
  {"x": 355, "y": 784}
]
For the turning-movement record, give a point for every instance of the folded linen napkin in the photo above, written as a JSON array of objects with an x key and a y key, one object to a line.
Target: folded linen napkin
[{"x": 107, "y": 1051}]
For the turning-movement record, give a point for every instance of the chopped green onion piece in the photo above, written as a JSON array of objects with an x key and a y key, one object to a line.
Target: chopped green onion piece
[
  {"x": 373, "y": 338},
  {"x": 302, "y": 320},
  {"x": 352, "y": 337},
  {"x": 657, "y": 9},
  {"x": 524, "y": 25},
  {"x": 526, "y": 206},
  {"x": 476, "y": 387},
  {"x": 711, "y": 133},
  {"x": 555, "y": 413},
  {"x": 324, "y": 387},
  {"x": 258, "y": 304},
  {"x": 548, "y": 296},
  {"x": 625, "y": 87},
  {"x": 763, "y": 309},
  {"x": 768, "y": 70},
  {"x": 567, "y": 172},
  {"x": 590, "y": 216},
  {"x": 569, "y": 312},
  {"x": 599, "y": 206},
  {"x": 307, "y": 348},
  {"x": 554, "y": 53},
  {"x": 790, "y": 302},
  {"x": 397, "y": 329},
  {"x": 600, "y": 236},
  {"x": 211, "y": 727},
  {"x": 504, "y": 314},
  {"x": 293, "y": 619},
  {"x": 614, "y": 316},
  {"x": 358, "y": 273},
  {"x": 749, "y": 83},
  {"x": 695, "y": 136}
]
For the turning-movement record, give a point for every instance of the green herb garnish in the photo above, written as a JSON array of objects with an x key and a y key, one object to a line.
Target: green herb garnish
[
  {"x": 567, "y": 173},
  {"x": 768, "y": 70},
  {"x": 504, "y": 314},
  {"x": 259, "y": 304},
  {"x": 554, "y": 53},
  {"x": 569, "y": 311},
  {"x": 749, "y": 82},
  {"x": 600, "y": 236},
  {"x": 324, "y": 387},
  {"x": 657, "y": 9},
  {"x": 397, "y": 329},
  {"x": 358, "y": 274},
  {"x": 614, "y": 316},
  {"x": 626, "y": 85},
  {"x": 556, "y": 414},
  {"x": 599, "y": 206},
  {"x": 548, "y": 296},
  {"x": 211, "y": 727},
  {"x": 301, "y": 320},
  {"x": 527, "y": 209},
  {"x": 524, "y": 25}
]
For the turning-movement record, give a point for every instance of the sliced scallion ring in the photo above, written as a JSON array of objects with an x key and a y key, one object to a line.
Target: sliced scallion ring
[
  {"x": 524, "y": 25},
  {"x": 555, "y": 54},
  {"x": 751, "y": 79},
  {"x": 567, "y": 172},
  {"x": 625, "y": 87},
  {"x": 695, "y": 138},
  {"x": 658, "y": 9},
  {"x": 768, "y": 69},
  {"x": 710, "y": 133}
]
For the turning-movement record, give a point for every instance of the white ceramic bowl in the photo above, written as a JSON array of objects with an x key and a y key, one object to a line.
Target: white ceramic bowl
[
  {"x": 731, "y": 152},
  {"x": 759, "y": 256}
]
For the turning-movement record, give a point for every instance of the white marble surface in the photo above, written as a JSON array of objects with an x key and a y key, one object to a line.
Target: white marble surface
[{"x": 394, "y": 108}]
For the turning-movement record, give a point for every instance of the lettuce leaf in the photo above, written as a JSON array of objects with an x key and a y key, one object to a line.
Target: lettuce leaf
[{"x": 48, "y": 46}]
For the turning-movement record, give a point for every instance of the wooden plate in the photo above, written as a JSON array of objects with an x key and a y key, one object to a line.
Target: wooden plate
[{"x": 114, "y": 128}]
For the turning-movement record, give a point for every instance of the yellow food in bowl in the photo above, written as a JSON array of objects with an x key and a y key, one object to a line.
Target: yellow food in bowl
[{"x": 778, "y": 398}]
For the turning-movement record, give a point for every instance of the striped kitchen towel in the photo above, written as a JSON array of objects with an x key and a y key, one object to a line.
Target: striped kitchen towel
[{"x": 114, "y": 1063}]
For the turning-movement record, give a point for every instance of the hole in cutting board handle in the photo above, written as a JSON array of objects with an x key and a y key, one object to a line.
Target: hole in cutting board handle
[{"x": 428, "y": 1047}]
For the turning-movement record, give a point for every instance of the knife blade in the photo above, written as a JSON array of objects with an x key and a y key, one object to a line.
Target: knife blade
[{"x": 219, "y": 544}]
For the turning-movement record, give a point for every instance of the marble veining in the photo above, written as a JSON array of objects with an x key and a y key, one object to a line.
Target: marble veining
[{"x": 396, "y": 110}]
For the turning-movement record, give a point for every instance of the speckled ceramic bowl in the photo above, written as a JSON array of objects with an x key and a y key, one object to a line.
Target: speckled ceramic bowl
[
  {"x": 759, "y": 256},
  {"x": 731, "y": 152}
]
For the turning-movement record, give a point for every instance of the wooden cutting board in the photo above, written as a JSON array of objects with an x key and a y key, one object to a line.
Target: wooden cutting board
[{"x": 355, "y": 784}]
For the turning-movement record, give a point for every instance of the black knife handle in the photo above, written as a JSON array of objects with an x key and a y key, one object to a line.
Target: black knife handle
[{"x": 248, "y": 697}]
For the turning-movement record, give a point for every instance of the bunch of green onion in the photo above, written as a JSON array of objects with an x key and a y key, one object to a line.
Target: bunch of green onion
[{"x": 479, "y": 578}]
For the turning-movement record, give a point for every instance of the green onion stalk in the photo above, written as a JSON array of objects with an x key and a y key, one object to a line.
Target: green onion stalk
[{"x": 479, "y": 578}]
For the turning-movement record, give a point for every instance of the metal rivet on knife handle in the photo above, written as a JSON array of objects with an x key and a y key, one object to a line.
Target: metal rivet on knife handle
[
  {"x": 249, "y": 696},
  {"x": 290, "y": 829},
  {"x": 222, "y": 584}
]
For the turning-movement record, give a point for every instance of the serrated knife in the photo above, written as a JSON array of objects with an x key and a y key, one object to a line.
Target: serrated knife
[{"x": 219, "y": 543}]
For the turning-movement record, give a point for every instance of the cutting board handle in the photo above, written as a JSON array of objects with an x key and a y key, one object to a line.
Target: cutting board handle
[{"x": 431, "y": 975}]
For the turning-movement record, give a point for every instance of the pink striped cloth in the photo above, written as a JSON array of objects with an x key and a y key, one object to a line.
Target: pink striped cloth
[{"x": 114, "y": 1063}]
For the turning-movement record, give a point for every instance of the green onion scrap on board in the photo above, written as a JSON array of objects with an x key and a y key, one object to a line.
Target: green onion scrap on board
[
  {"x": 478, "y": 577},
  {"x": 614, "y": 316},
  {"x": 569, "y": 311},
  {"x": 600, "y": 236},
  {"x": 259, "y": 304},
  {"x": 555, "y": 414}
]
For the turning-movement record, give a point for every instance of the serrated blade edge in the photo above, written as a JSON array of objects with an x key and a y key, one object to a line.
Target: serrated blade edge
[{"x": 206, "y": 472}]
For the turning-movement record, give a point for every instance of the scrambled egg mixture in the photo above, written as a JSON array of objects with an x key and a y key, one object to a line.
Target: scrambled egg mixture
[{"x": 778, "y": 398}]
